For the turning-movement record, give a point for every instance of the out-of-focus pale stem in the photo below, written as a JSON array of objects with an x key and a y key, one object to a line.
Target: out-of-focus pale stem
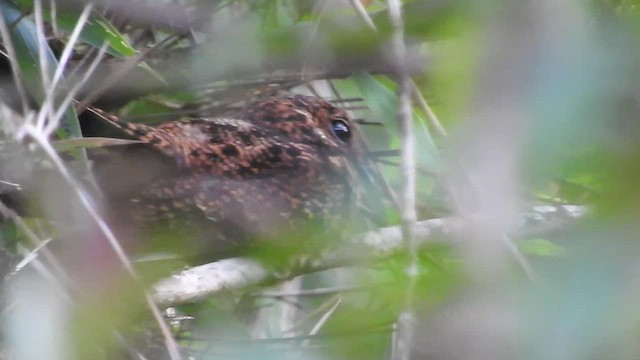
[
  {"x": 74, "y": 90},
  {"x": 54, "y": 17},
  {"x": 43, "y": 65},
  {"x": 408, "y": 171},
  {"x": 48, "y": 118},
  {"x": 521, "y": 259},
  {"x": 15, "y": 67},
  {"x": 362, "y": 12},
  {"x": 73, "y": 38}
]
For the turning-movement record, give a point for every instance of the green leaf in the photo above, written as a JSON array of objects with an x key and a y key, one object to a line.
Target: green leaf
[{"x": 97, "y": 32}]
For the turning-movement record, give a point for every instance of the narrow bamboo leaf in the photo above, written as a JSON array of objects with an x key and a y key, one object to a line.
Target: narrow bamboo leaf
[{"x": 90, "y": 142}]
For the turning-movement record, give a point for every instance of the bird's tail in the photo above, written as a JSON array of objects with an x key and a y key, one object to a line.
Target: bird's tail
[{"x": 137, "y": 131}]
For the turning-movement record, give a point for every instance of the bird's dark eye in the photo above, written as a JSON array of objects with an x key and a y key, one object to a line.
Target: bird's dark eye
[{"x": 341, "y": 130}]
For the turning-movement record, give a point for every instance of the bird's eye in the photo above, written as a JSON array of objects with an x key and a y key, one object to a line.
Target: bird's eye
[{"x": 341, "y": 130}]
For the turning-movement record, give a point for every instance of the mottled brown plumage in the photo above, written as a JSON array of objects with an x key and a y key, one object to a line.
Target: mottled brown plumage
[{"x": 288, "y": 163}]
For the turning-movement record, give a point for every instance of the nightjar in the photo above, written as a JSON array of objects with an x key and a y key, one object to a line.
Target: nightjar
[{"x": 286, "y": 168}]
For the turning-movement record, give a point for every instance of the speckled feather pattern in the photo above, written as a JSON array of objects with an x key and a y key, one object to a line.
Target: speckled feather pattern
[{"x": 275, "y": 169}]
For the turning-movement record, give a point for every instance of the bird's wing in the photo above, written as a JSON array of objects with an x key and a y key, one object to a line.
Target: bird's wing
[{"x": 230, "y": 212}]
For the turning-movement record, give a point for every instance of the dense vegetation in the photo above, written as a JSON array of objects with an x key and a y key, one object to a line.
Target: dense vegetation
[{"x": 493, "y": 108}]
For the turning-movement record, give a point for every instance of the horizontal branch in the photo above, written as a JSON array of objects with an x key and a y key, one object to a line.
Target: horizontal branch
[{"x": 197, "y": 283}]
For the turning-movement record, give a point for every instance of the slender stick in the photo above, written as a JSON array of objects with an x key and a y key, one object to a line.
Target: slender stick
[{"x": 408, "y": 171}]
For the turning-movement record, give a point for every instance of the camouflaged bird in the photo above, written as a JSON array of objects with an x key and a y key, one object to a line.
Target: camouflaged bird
[{"x": 286, "y": 164}]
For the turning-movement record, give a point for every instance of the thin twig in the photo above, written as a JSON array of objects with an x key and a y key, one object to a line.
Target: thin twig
[
  {"x": 323, "y": 320},
  {"x": 128, "y": 65},
  {"x": 311, "y": 292},
  {"x": 14, "y": 185},
  {"x": 47, "y": 108},
  {"x": 312, "y": 314},
  {"x": 42, "y": 47},
  {"x": 31, "y": 255},
  {"x": 332, "y": 335},
  {"x": 69, "y": 98},
  {"x": 431, "y": 116},
  {"x": 68, "y": 49},
  {"x": 54, "y": 17}
]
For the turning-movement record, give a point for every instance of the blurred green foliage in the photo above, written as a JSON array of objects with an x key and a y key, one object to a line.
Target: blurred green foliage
[{"x": 572, "y": 82}]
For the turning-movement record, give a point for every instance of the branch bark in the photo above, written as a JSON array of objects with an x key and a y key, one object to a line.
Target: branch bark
[{"x": 198, "y": 283}]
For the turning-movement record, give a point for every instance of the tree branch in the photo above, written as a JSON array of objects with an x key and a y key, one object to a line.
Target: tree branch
[{"x": 200, "y": 282}]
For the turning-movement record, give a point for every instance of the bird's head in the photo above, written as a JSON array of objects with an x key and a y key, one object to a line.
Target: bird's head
[
  {"x": 308, "y": 120},
  {"x": 316, "y": 122}
]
